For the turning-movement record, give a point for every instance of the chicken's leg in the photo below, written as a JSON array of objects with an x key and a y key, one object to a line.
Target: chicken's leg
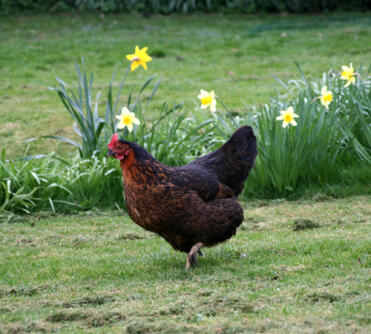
[{"x": 192, "y": 255}]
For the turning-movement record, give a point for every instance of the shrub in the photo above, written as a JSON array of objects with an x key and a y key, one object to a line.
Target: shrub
[{"x": 183, "y": 6}]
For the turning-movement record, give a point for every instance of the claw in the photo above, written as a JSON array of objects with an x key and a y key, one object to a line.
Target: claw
[{"x": 192, "y": 255}]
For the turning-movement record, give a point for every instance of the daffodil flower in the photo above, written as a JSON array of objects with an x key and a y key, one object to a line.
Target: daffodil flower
[
  {"x": 287, "y": 116},
  {"x": 207, "y": 100},
  {"x": 139, "y": 57},
  {"x": 127, "y": 119},
  {"x": 326, "y": 97},
  {"x": 348, "y": 74}
]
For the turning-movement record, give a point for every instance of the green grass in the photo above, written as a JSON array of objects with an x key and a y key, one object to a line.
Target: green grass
[
  {"x": 234, "y": 55},
  {"x": 293, "y": 267},
  {"x": 99, "y": 272}
]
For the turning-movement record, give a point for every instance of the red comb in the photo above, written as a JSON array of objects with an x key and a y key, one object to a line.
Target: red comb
[{"x": 114, "y": 139}]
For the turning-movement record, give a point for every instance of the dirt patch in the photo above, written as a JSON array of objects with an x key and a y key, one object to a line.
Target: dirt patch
[{"x": 304, "y": 224}]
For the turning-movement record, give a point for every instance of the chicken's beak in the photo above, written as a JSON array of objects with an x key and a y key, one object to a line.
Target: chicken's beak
[{"x": 110, "y": 153}]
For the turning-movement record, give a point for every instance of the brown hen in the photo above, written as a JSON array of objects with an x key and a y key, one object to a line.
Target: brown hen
[{"x": 190, "y": 206}]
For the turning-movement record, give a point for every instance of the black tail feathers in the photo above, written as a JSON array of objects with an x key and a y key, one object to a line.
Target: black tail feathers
[
  {"x": 243, "y": 143},
  {"x": 241, "y": 150},
  {"x": 232, "y": 162}
]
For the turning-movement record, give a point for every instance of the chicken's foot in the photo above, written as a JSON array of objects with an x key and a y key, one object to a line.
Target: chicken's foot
[{"x": 192, "y": 255}]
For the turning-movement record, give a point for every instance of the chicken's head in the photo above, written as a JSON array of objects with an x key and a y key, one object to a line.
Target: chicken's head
[{"x": 118, "y": 148}]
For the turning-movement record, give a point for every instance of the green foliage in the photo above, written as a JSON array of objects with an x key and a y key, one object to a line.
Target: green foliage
[
  {"x": 47, "y": 182},
  {"x": 310, "y": 6},
  {"x": 173, "y": 138},
  {"x": 16, "y": 6},
  {"x": 352, "y": 107},
  {"x": 305, "y": 154},
  {"x": 326, "y": 147},
  {"x": 350, "y": 110},
  {"x": 88, "y": 124},
  {"x": 183, "y": 6},
  {"x": 322, "y": 145}
]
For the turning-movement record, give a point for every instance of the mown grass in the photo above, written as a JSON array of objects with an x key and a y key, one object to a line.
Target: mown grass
[
  {"x": 234, "y": 55},
  {"x": 293, "y": 267},
  {"x": 99, "y": 272}
]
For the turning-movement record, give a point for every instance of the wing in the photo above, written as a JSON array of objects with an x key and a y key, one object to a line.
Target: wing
[
  {"x": 201, "y": 180},
  {"x": 232, "y": 162}
]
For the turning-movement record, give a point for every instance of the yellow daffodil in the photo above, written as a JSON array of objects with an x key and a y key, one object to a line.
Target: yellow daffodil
[
  {"x": 287, "y": 116},
  {"x": 127, "y": 119},
  {"x": 348, "y": 74},
  {"x": 139, "y": 57},
  {"x": 326, "y": 97},
  {"x": 207, "y": 100}
]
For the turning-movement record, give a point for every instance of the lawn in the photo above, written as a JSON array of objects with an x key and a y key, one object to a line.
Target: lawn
[
  {"x": 234, "y": 55},
  {"x": 298, "y": 266},
  {"x": 99, "y": 272}
]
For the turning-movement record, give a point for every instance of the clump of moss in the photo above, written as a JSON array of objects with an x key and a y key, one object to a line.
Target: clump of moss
[
  {"x": 304, "y": 224},
  {"x": 157, "y": 53}
]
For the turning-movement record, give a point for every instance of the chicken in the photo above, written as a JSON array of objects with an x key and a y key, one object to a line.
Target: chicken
[{"x": 190, "y": 206}]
